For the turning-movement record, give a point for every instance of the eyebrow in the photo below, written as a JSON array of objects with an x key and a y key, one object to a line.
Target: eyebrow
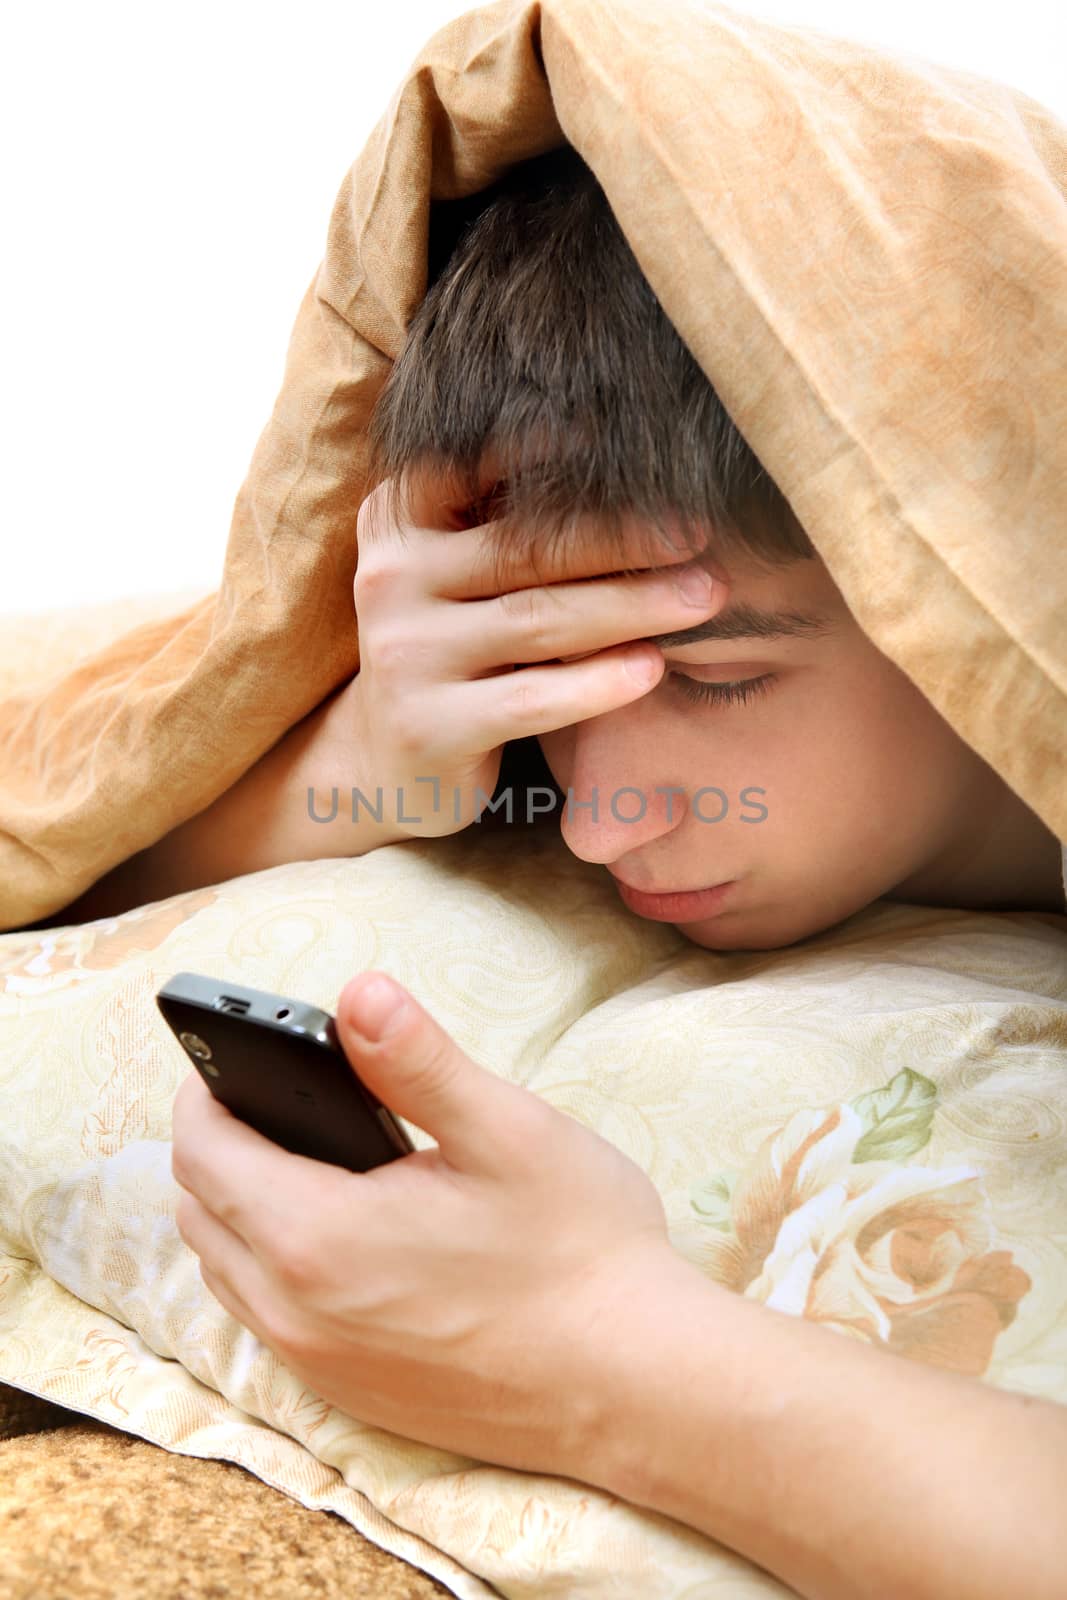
[{"x": 743, "y": 621}]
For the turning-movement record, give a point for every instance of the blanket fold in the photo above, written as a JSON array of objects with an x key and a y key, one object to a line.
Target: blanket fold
[{"x": 866, "y": 253}]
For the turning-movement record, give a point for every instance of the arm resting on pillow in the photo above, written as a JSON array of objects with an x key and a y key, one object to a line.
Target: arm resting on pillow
[
  {"x": 849, "y": 1472},
  {"x": 263, "y": 820}
]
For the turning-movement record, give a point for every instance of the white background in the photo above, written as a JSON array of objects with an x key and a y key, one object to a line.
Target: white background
[{"x": 168, "y": 176}]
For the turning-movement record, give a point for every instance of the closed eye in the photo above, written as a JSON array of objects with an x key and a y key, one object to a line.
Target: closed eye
[{"x": 720, "y": 694}]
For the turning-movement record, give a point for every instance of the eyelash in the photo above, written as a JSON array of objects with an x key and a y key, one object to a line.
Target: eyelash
[{"x": 720, "y": 694}]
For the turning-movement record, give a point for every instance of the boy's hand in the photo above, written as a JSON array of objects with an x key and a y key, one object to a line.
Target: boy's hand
[
  {"x": 472, "y": 1295},
  {"x": 437, "y": 696}
]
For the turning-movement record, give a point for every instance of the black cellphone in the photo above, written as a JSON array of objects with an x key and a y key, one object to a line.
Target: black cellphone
[{"x": 279, "y": 1066}]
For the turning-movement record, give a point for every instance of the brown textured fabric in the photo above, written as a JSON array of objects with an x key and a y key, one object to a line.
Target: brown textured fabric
[
  {"x": 27, "y": 1413},
  {"x": 88, "y": 1511},
  {"x": 866, "y": 254}
]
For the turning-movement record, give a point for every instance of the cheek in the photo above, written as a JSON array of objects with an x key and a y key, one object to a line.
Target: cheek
[
  {"x": 906, "y": 738},
  {"x": 879, "y": 762}
]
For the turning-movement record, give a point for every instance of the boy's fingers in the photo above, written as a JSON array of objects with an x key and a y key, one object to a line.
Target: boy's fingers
[
  {"x": 474, "y": 563},
  {"x": 563, "y": 620},
  {"x": 480, "y": 563},
  {"x": 489, "y": 712}
]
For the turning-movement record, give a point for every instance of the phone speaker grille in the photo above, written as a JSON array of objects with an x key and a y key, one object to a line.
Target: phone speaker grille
[{"x": 227, "y": 1002}]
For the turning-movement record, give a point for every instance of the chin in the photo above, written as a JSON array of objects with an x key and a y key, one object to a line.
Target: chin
[{"x": 744, "y": 934}]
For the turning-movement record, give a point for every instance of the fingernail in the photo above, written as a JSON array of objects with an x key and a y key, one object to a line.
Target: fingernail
[
  {"x": 695, "y": 585},
  {"x": 380, "y": 1008},
  {"x": 640, "y": 664}
]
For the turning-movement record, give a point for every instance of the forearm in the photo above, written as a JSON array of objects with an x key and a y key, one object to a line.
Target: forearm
[
  {"x": 849, "y": 1473},
  {"x": 276, "y": 812}
]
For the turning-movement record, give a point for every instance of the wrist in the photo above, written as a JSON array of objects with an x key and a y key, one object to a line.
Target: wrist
[
  {"x": 332, "y": 760},
  {"x": 654, "y": 1323},
  {"x": 704, "y": 1414}
]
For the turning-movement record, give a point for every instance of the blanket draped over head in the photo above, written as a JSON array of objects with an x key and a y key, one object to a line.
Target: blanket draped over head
[{"x": 867, "y": 255}]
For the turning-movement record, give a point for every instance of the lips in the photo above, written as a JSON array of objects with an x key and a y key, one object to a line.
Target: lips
[
  {"x": 701, "y": 888},
  {"x": 678, "y": 905}
]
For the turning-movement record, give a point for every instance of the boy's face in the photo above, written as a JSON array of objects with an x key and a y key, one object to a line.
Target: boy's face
[{"x": 855, "y": 784}]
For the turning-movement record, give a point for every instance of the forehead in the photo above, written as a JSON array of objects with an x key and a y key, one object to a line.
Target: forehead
[
  {"x": 789, "y": 600},
  {"x": 796, "y": 598}
]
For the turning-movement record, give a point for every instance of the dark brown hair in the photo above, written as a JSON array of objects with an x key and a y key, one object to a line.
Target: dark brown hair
[{"x": 539, "y": 337}]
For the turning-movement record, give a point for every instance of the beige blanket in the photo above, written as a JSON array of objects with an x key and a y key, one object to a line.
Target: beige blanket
[{"x": 867, "y": 255}]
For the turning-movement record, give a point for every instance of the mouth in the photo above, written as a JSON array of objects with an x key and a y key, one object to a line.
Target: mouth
[{"x": 675, "y": 905}]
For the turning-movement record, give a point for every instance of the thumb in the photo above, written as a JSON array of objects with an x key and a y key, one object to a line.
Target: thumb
[{"x": 417, "y": 1069}]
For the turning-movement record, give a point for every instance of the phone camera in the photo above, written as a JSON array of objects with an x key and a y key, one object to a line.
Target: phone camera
[{"x": 200, "y": 1051}]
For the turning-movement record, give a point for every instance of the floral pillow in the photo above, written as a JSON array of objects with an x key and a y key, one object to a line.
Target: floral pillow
[{"x": 868, "y": 1129}]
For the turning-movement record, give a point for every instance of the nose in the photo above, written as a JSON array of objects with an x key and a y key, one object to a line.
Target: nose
[{"x": 620, "y": 794}]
